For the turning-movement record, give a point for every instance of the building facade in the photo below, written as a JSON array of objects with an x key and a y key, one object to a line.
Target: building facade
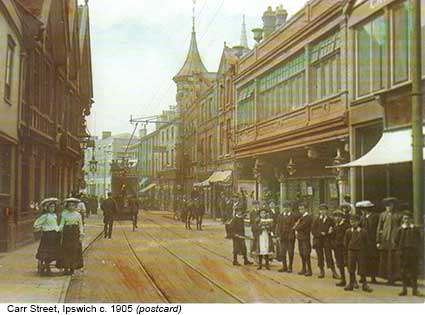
[
  {"x": 107, "y": 149},
  {"x": 291, "y": 107},
  {"x": 53, "y": 99}
]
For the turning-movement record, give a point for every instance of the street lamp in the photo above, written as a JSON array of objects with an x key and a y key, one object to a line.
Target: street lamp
[
  {"x": 291, "y": 167},
  {"x": 93, "y": 163},
  {"x": 339, "y": 174},
  {"x": 257, "y": 175}
]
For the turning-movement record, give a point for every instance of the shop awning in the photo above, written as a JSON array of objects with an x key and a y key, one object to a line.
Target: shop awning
[
  {"x": 220, "y": 177},
  {"x": 394, "y": 147},
  {"x": 148, "y": 188}
]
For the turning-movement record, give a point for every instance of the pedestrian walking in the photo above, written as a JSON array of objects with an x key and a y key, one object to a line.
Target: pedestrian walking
[
  {"x": 134, "y": 206},
  {"x": 286, "y": 235},
  {"x": 237, "y": 233},
  {"x": 72, "y": 234},
  {"x": 322, "y": 230},
  {"x": 355, "y": 244},
  {"x": 408, "y": 241},
  {"x": 388, "y": 224},
  {"x": 342, "y": 224},
  {"x": 369, "y": 221},
  {"x": 302, "y": 230},
  {"x": 109, "y": 208},
  {"x": 49, "y": 247},
  {"x": 82, "y": 207},
  {"x": 263, "y": 241}
]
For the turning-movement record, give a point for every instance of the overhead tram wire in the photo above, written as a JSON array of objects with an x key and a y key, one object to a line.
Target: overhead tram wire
[{"x": 158, "y": 92}]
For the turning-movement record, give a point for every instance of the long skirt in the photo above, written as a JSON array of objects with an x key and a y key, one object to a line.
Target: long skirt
[
  {"x": 49, "y": 248},
  {"x": 389, "y": 264},
  {"x": 71, "y": 250},
  {"x": 239, "y": 246}
]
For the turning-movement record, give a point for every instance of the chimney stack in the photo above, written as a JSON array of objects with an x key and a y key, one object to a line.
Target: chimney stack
[
  {"x": 281, "y": 16},
  {"x": 106, "y": 134},
  {"x": 269, "y": 22}
]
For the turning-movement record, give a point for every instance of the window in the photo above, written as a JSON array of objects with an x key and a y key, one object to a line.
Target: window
[
  {"x": 9, "y": 68},
  {"x": 228, "y": 135},
  {"x": 325, "y": 68},
  {"x": 371, "y": 43},
  {"x": 5, "y": 168},
  {"x": 402, "y": 25},
  {"x": 245, "y": 111}
]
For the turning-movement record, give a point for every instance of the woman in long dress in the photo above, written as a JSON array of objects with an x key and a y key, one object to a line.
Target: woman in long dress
[
  {"x": 72, "y": 233},
  {"x": 49, "y": 247}
]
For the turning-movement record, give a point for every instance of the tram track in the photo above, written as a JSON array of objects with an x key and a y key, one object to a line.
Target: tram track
[
  {"x": 145, "y": 271},
  {"x": 309, "y": 296},
  {"x": 186, "y": 263}
]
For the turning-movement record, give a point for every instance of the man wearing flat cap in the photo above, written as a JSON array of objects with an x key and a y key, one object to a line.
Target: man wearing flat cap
[
  {"x": 369, "y": 221},
  {"x": 388, "y": 224}
]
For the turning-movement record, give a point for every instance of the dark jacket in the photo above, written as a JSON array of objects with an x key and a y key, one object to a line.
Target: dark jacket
[
  {"x": 237, "y": 227},
  {"x": 408, "y": 238},
  {"x": 303, "y": 227},
  {"x": 370, "y": 223},
  {"x": 109, "y": 208},
  {"x": 285, "y": 224},
  {"x": 355, "y": 239},
  {"x": 339, "y": 233},
  {"x": 320, "y": 225}
]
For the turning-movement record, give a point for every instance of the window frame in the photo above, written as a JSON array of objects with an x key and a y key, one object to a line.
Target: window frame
[{"x": 8, "y": 73}]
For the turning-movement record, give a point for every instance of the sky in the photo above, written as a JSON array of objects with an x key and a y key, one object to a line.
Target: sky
[{"x": 139, "y": 45}]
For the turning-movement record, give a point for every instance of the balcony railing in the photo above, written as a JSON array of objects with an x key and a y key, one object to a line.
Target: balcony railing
[{"x": 41, "y": 122}]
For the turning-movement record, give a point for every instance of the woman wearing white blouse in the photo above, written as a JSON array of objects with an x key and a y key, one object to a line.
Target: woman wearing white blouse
[
  {"x": 72, "y": 229},
  {"x": 49, "y": 247}
]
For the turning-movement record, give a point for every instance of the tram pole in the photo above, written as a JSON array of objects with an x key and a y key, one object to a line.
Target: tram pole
[{"x": 417, "y": 133}]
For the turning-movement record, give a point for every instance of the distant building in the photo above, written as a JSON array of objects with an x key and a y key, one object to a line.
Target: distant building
[{"x": 106, "y": 149}]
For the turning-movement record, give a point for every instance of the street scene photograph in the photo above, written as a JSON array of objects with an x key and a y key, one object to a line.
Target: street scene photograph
[{"x": 163, "y": 153}]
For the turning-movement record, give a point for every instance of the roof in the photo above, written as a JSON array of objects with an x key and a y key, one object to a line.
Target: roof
[{"x": 193, "y": 63}]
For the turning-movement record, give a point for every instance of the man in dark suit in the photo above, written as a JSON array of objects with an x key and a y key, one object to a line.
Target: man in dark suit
[
  {"x": 302, "y": 230},
  {"x": 109, "y": 208},
  {"x": 322, "y": 230},
  {"x": 284, "y": 231},
  {"x": 369, "y": 221}
]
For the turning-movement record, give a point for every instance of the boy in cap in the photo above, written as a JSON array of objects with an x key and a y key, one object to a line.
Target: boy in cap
[
  {"x": 302, "y": 230},
  {"x": 322, "y": 230},
  {"x": 342, "y": 224},
  {"x": 237, "y": 231},
  {"x": 408, "y": 240},
  {"x": 355, "y": 245},
  {"x": 286, "y": 235}
]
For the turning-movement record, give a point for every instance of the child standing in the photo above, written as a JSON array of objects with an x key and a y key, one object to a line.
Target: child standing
[
  {"x": 49, "y": 247},
  {"x": 263, "y": 242},
  {"x": 355, "y": 245},
  {"x": 237, "y": 231},
  {"x": 408, "y": 240}
]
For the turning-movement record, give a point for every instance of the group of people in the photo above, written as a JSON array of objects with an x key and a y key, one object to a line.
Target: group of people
[
  {"x": 357, "y": 239},
  {"x": 61, "y": 235}
]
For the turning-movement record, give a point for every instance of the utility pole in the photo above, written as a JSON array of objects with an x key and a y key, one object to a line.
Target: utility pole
[{"x": 417, "y": 133}]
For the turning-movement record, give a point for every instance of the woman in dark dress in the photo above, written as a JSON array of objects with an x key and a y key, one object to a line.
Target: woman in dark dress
[
  {"x": 49, "y": 247},
  {"x": 72, "y": 233}
]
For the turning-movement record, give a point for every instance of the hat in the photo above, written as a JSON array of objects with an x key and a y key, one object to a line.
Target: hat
[
  {"x": 407, "y": 213},
  {"x": 48, "y": 201},
  {"x": 323, "y": 206},
  {"x": 338, "y": 213},
  {"x": 72, "y": 200},
  {"x": 389, "y": 200},
  {"x": 364, "y": 204}
]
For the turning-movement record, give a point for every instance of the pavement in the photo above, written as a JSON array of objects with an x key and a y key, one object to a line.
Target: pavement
[{"x": 19, "y": 281}]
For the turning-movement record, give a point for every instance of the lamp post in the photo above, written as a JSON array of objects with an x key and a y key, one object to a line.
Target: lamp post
[{"x": 339, "y": 175}]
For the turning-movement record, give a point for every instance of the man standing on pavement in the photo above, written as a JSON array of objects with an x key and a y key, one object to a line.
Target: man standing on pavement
[{"x": 109, "y": 208}]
